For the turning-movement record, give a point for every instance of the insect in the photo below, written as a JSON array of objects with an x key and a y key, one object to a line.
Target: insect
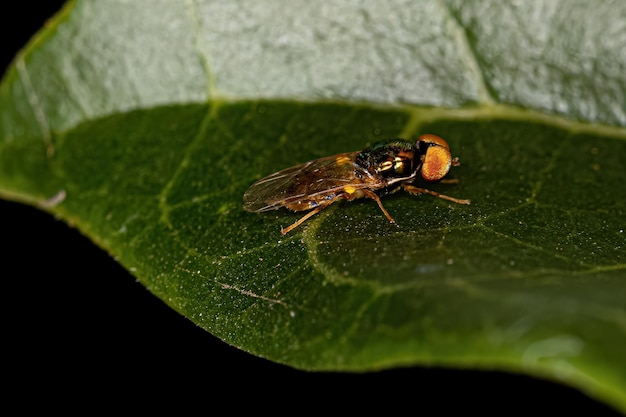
[{"x": 381, "y": 169}]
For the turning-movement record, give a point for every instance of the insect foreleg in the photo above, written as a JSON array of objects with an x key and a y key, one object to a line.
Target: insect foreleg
[{"x": 416, "y": 190}]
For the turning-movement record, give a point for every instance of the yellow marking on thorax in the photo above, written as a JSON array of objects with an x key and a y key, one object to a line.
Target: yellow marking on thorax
[
  {"x": 349, "y": 189},
  {"x": 342, "y": 160}
]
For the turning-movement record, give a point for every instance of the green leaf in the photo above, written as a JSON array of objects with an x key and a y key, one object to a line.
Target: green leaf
[{"x": 144, "y": 126}]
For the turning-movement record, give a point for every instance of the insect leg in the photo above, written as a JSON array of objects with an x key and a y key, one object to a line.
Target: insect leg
[
  {"x": 415, "y": 190},
  {"x": 375, "y": 197},
  {"x": 310, "y": 214}
]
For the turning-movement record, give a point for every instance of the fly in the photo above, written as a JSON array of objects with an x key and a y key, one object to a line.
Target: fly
[{"x": 381, "y": 169}]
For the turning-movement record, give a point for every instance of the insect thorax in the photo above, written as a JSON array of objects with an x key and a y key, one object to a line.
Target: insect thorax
[{"x": 390, "y": 159}]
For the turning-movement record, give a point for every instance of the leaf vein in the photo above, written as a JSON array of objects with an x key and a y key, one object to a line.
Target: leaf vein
[
  {"x": 471, "y": 58},
  {"x": 194, "y": 15},
  {"x": 35, "y": 105}
]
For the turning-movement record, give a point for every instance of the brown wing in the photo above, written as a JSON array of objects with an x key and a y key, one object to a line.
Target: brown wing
[{"x": 312, "y": 181}]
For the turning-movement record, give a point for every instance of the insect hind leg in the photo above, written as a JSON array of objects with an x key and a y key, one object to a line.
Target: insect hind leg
[{"x": 310, "y": 214}]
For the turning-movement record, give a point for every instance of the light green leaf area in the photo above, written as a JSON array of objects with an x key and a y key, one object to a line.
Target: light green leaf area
[{"x": 145, "y": 139}]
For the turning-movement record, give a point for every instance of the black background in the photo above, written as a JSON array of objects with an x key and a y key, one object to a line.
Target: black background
[{"x": 78, "y": 328}]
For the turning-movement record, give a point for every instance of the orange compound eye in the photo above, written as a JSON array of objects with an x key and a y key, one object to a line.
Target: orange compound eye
[
  {"x": 437, "y": 160},
  {"x": 429, "y": 138}
]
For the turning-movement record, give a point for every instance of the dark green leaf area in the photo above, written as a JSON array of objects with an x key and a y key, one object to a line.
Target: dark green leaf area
[
  {"x": 25, "y": 168},
  {"x": 123, "y": 155},
  {"x": 115, "y": 169},
  {"x": 524, "y": 267}
]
